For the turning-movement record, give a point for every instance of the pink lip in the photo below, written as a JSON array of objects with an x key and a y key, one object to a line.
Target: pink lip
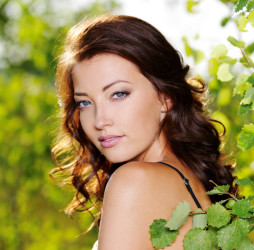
[{"x": 109, "y": 140}]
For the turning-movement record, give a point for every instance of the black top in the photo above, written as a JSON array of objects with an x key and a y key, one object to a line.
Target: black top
[{"x": 187, "y": 184}]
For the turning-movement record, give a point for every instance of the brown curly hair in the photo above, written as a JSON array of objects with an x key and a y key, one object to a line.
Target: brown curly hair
[{"x": 189, "y": 131}]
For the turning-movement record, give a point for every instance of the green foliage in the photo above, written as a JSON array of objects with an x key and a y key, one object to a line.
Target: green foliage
[
  {"x": 246, "y": 138},
  {"x": 226, "y": 227},
  {"x": 161, "y": 236},
  {"x": 199, "y": 219},
  {"x": 241, "y": 4},
  {"x": 236, "y": 43},
  {"x": 243, "y": 208},
  {"x": 219, "y": 51},
  {"x": 191, "y": 4},
  {"x": 223, "y": 73},
  {"x": 179, "y": 217},
  {"x": 219, "y": 190},
  {"x": 244, "y": 182},
  {"x": 230, "y": 236},
  {"x": 218, "y": 216},
  {"x": 198, "y": 239}
]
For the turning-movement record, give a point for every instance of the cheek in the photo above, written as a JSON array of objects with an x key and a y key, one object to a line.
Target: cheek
[{"x": 143, "y": 115}]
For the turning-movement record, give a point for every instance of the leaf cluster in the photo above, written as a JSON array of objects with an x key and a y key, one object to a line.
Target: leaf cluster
[{"x": 227, "y": 224}]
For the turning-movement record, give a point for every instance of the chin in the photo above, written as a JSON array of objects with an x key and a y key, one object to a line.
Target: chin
[{"x": 118, "y": 158}]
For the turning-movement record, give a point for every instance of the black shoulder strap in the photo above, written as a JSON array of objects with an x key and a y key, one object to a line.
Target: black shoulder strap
[{"x": 187, "y": 184}]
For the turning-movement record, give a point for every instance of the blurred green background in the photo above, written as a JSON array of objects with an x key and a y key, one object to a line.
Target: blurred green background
[{"x": 31, "y": 205}]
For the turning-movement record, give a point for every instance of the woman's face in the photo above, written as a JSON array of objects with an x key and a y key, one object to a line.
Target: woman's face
[{"x": 120, "y": 111}]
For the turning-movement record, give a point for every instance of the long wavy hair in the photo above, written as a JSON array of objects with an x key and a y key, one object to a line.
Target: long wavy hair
[{"x": 189, "y": 131}]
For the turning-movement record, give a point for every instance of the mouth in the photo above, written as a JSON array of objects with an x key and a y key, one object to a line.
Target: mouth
[{"x": 109, "y": 140}]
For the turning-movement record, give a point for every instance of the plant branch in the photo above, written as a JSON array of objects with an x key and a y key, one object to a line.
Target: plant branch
[
  {"x": 246, "y": 59},
  {"x": 233, "y": 196}
]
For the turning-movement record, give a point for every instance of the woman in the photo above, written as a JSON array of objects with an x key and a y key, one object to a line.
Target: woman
[{"x": 134, "y": 130}]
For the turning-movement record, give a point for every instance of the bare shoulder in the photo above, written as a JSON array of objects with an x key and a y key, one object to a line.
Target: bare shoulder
[
  {"x": 136, "y": 194},
  {"x": 146, "y": 182},
  {"x": 143, "y": 180}
]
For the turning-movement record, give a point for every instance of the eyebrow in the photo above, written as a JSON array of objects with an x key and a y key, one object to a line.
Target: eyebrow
[{"x": 104, "y": 88}]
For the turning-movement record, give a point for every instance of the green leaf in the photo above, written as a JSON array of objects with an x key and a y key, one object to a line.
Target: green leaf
[
  {"x": 213, "y": 235},
  {"x": 251, "y": 18},
  {"x": 242, "y": 22},
  {"x": 224, "y": 97},
  {"x": 251, "y": 79},
  {"x": 243, "y": 109},
  {"x": 230, "y": 203},
  {"x": 241, "y": 84},
  {"x": 248, "y": 96},
  {"x": 197, "y": 239},
  {"x": 246, "y": 138},
  {"x": 225, "y": 21},
  {"x": 240, "y": 5},
  {"x": 213, "y": 66},
  {"x": 242, "y": 208},
  {"x": 199, "y": 219},
  {"x": 244, "y": 182},
  {"x": 223, "y": 73},
  {"x": 219, "y": 190},
  {"x": 218, "y": 216},
  {"x": 180, "y": 215},
  {"x": 160, "y": 235},
  {"x": 230, "y": 236},
  {"x": 250, "y": 48},
  {"x": 246, "y": 244},
  {"x": 227, "y": 59},
  {"x": 190, "y": 4},
  {"x": 198, "y": 56},
  {"x": 250, "y": 5},
  {"x": 222, "y": 201},
  {"x": 235, "y": 42},
  {"x": 219, "y": 50}
]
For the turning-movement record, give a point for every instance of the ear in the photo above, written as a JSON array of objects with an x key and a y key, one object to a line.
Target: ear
[{"x": 166, "y": 106}]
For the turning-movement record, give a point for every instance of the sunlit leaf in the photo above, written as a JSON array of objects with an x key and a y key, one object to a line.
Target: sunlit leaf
[
  {"x": 246, "y": 138},
  {"x": 241, "y": 84},
  {"x": 179, "y": 217},
  {"x": 224, "y": 73},
  {"x": 251, "y": 18},
  {"x": 248, "y": 96},
  {"x": 242, "y": 23},
  {"x": 219, "y": 50},
  {"x": 235, "y": 42}
]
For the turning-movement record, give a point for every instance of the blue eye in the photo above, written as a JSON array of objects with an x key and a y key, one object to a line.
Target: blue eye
[
  {"x": 83, "y": 104},
  {"x": 120, "y": 94}
]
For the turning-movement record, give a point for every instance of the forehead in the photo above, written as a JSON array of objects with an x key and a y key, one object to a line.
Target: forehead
[{"x": 103, "y": 69}]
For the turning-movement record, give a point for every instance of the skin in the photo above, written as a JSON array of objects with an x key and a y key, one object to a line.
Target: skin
[{"x": 120, "y": 101}]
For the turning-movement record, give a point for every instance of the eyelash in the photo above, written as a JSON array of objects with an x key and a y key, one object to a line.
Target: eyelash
[
  {"x": 80, "y": 103},
  {"x": 124, "y": 94}
]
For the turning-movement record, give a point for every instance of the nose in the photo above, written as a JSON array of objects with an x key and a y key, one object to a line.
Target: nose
[{"x": 102, "y": 117}]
